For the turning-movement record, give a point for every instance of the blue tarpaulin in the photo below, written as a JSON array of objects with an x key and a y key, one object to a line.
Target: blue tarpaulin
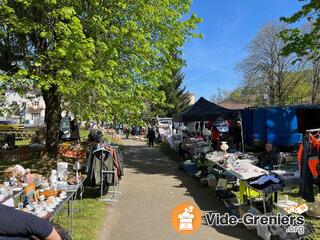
[
  {"x": 282, "y": 127},
  {"x": 276, "y": 125}
]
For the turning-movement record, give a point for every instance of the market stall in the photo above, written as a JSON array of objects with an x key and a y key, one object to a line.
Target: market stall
[
  {"x": 239, "y": 179},
  {"x": 197, "y": 121},
  {"x": 258, "y": 189},
  {"x": 43, "y": 197}
]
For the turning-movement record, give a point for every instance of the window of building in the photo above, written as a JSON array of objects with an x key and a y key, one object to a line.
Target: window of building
[
  {"x": 35, "y": 115},
  {"x": 35, "y": 103}
]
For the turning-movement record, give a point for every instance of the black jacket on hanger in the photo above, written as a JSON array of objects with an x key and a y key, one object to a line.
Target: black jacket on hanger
[{"x": 306, "y": 177}]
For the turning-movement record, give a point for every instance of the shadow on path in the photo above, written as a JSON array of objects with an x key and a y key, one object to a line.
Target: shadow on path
[{"x": 144, "y": 160}]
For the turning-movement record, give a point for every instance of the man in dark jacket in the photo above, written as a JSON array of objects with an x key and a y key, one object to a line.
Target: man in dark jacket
[
  {"x": 237, "y": 136},
  {"x": 268, "y": 158}
]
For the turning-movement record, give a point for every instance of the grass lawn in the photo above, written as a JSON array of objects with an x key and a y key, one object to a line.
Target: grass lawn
[
  {"x": 30, "y": 131},
  {"x": 87, "y": 222},
  {"x": 23, "y": 142},
  {"x": 83, "y": 133},
  {"x": 26, "y": 141},
  {"x": 294, "y": 196}
]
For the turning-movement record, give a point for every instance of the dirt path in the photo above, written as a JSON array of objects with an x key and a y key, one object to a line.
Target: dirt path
[{"x": 151, "y": 188}]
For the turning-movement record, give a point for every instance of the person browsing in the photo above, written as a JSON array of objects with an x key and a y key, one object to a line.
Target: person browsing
[
  {"x": 268, "y": 158},
  {"x": 19, "y": 225}
]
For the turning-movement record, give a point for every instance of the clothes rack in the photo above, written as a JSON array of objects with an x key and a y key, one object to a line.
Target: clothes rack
[{"x": 115, "y": 191}]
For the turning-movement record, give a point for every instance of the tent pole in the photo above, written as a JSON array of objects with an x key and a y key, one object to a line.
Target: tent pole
[{"x": 242, "y": 138}]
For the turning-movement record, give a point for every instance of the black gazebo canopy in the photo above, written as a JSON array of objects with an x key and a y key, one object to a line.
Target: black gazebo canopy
[{"x": 204, "y": 110}]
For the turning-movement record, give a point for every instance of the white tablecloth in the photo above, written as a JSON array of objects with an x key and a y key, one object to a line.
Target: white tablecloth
[{"x": 246, "y": 169}]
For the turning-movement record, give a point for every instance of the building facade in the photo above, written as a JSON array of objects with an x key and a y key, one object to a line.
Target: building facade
[{"x": 31, "y": 108}]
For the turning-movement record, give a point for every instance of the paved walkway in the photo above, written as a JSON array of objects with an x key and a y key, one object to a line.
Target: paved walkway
[{"x": 151, "y": 188}]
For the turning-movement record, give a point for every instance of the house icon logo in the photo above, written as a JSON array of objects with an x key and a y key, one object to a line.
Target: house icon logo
[{"x": 186, "y": 218}]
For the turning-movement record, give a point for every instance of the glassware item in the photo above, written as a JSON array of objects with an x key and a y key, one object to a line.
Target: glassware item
[
  {"x": 62, "y": 170},
  {"x": 224, "y": 146}
]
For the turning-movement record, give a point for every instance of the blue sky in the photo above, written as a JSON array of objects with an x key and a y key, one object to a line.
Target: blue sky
[{"x": 228, "y": 27}]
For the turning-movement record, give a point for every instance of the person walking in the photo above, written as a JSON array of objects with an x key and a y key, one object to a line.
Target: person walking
[
  {"x": 151, "y": 135},
  {"x": 127, "y": 131},
  {"x": 237, "y": 136}
]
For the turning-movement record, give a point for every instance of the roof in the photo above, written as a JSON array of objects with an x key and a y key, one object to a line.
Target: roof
[
  {"x": 204, "y": 110},
  {"x": 231, "y": 104}
]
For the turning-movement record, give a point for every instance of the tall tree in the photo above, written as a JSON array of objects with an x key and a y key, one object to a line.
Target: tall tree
[
  {"x": 305, "y": 41},
  {"x": 250, "y": 92},
  {"x": 177, "y": 98},
  {"x": 272, "y": 75},
  {"x": 100, "y": 59},
  {"x": 315, "y": 80}
]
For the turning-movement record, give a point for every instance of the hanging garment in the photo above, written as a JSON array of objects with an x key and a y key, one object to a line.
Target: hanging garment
[
  {"x": 306, "y": 151},
  {"x": 112, "y": 161},
  {"x": 89, "y": 164},
  {"x": 116, "y": 168},
  {"x": 120, "y": 161},
  {"x": 107, "y": 165},
  {"x": 313, "y": 161},
  {"x": 93, "y": 168}
]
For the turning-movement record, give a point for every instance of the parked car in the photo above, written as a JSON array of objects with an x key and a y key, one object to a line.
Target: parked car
[{"x": 7, "y": 125}]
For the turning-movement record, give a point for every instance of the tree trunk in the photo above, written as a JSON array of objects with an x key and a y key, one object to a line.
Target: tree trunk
[{"x": 52, "y": 119}]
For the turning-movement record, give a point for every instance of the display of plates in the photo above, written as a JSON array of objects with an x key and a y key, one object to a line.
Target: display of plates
[
  {"x": 63, "y": 197},
  {"x": 50, "y": 210}
]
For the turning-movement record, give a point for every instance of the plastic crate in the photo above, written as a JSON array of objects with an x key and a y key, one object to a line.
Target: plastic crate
[{"x": 190, "y": 168}]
